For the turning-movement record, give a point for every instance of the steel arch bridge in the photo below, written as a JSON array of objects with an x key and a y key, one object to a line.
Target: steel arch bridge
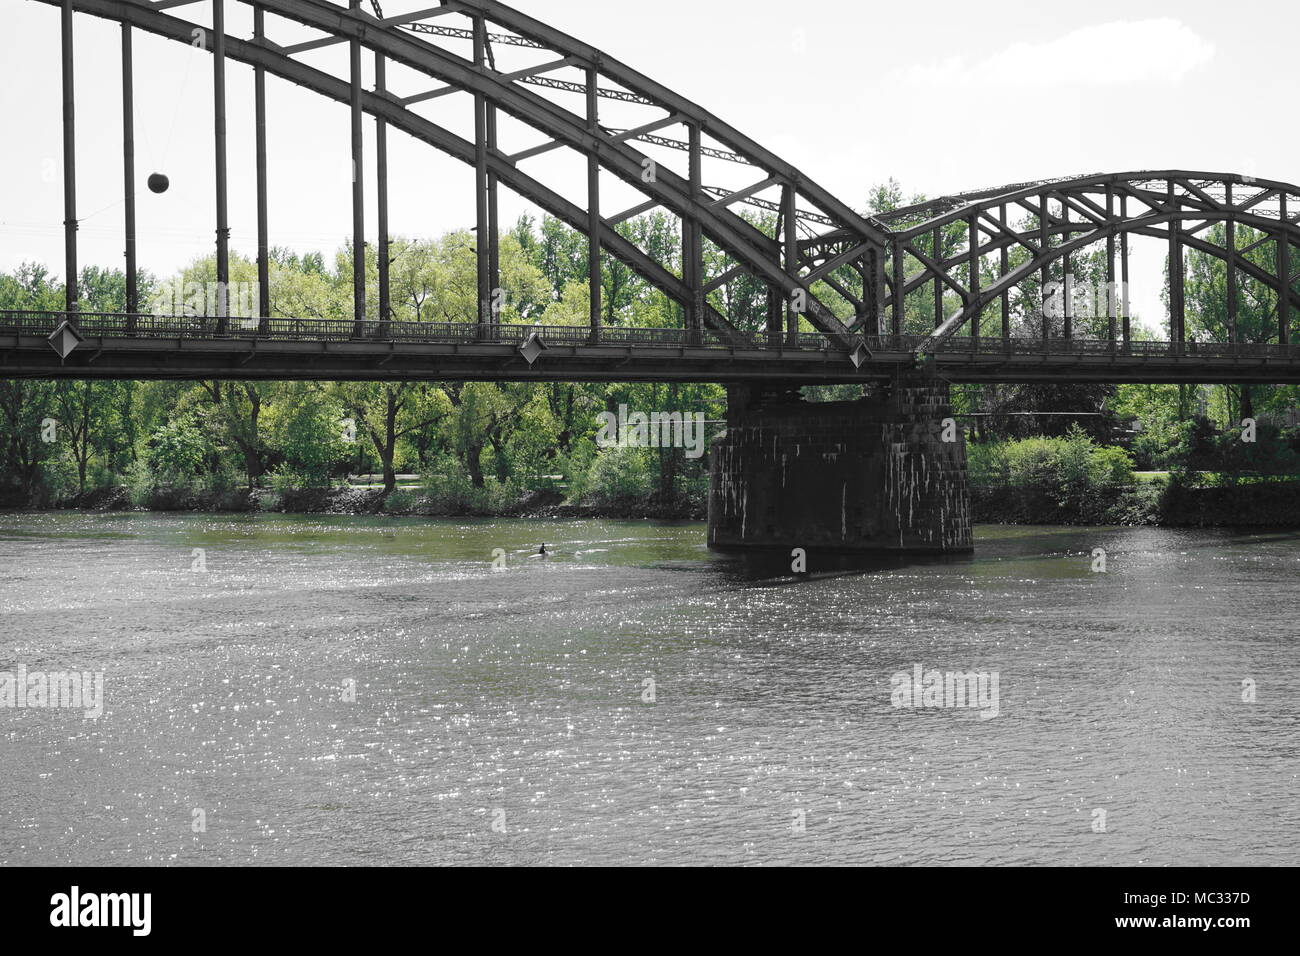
[{"x": 838, "y": 285}]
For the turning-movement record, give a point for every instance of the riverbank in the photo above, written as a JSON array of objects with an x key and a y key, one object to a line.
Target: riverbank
[
  {"x": 1167, "y": 504},
  {"x": 1162, "y": 503},
  {"x": 364, "y": 501}
]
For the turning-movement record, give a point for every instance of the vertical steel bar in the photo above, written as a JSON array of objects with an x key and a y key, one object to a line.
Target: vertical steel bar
[
  {"x": 483, "y": 226},
  {"x": 860, "y": 319},
  {"x": 688, "y": 307},
  {"x": 1176, "y": 312},
  {"x": 1230, "y": 241},
  {"x": 1283, "y": 276},
  {"x": 790, "y": 214},
  {"x": 1004, "y": 266},
  {"x": 774, "y": 317},
  {"x": 128, "y": 179},
  {"x": 219, "y": 120},
  {"x": 775, "y": 296},
  {"x": 358, "y": 188},
  {"x": 494, "y": 216},
  {"x": 487, "y": 62},
  {"x": 898, "y": 315},
  {"x": 973, "y": 279},
  {"x": 381, "y": 168},
  {"x": 593, "y": 208},
  {"x": 936, "y": 253},
  {"x": 693, "y": 261},
  {"x": 1177, "y": 315},
  {"x": 1127, "y": 324},
  {"x": 873, "y": 278},
  {"x": 1067, "y": 279},
  {"x": 1045, "y": 242},
  {"x": 1112, "y": 299},
  {"x": 71, "y": 298},
  {"x": 263, "y": 227}
]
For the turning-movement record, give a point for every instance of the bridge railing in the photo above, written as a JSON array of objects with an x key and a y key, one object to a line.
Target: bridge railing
[
  {"x": 985, "y": 345},
  {"x": 116, "y": 325}
]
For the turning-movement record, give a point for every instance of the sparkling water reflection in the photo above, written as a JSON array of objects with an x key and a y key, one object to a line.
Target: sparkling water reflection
[{"x": 521, "y": 691}]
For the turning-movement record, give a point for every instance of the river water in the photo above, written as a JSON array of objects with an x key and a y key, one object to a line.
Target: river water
[{"x": 285, "y": 690}]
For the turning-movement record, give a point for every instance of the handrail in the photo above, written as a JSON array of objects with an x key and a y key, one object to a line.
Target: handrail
[
  {"x": 211, "y": 328},
  {"x": 198, "y": 327}
]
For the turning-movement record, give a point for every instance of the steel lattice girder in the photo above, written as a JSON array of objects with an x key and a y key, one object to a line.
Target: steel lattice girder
[
  {"x": 760, "y": 254},
  {"x": 732, "y": 233},
  {"x": 638, "y": 83},
  {"x": 144, "y": 17},
  {"x": 1169, "y": 198},
  {"x": 1198, "y": 198}
]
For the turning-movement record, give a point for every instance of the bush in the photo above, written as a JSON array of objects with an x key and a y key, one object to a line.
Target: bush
[
  {"x": 100, "y": 477},
  {"x": 1032, "y": 462},
  {"x": 400, "y": 501},
  {"x": 620, "y": 476},
  {"x": 497, "y": 496},
  {"x": 1163, "y": 444},
  {"x": 59, "y": 480},
  {"x": 578, "y": 467},
  {"x": 1139, "y": 505},
  {"x": 1269, "y": 454},
  {"x": 988, "y": 465},
  {"x": 448, "y": 488},
  {"x": 1066, "y": 480},
  {"x": 177, "y": 451},
  {"x": 286, "y": 479},
  {"x": 695, "y": 488},
  {"x": 140, "y": 484},
  {"x": 1115, "y": 465},
  {"x": 221, "y": 481}
]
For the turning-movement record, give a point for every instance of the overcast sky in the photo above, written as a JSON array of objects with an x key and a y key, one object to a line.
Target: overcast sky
[{"x": 943, "y": 96}]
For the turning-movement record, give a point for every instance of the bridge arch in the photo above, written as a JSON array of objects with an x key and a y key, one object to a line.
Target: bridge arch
[
  {"x": 816, "y": 244},
  {"x": 1177, "y": 207},
  {"x": 404, "y": 39}
]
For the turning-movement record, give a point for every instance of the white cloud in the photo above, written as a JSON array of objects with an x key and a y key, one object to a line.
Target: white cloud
[{"x": 1126, "y": 52}]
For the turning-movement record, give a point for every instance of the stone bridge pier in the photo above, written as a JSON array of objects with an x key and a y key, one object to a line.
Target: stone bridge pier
[{"x": 871, "y": 475}]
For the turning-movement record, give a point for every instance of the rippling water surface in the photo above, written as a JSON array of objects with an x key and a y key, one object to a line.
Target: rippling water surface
[{"x": 517, "y": 697}]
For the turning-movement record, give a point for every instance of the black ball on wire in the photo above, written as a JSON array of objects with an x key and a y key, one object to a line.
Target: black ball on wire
[{"x": 158, "y": 183}]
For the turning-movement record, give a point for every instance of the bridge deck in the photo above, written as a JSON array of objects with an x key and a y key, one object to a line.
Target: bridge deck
[{"x": 189, "y": 347}]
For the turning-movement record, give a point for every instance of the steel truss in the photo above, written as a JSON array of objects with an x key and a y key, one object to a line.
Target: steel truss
[
  {"x": 967, "y": 249},
  {"x": 412, "y": 41},
  {"x": 820, "y": 249}
]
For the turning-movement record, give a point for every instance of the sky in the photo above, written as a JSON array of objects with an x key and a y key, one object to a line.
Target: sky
[{"x": 942, "y": 96}]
